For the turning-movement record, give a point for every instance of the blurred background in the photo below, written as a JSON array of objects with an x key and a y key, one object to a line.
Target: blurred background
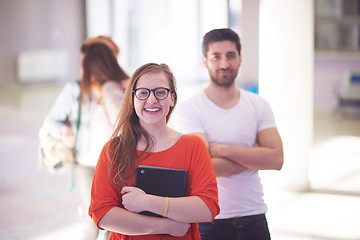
[{"x": 303, "y": 56}]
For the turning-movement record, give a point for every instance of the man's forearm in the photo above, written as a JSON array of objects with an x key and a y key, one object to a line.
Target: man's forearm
[
  {"x": 257, "y": 158},
  {"x": 225, "y": 168}
]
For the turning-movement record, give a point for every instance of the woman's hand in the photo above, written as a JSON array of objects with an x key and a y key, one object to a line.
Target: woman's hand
[
  {"x": 67, "y": 136},
  {"x": 133, "y": 199}
]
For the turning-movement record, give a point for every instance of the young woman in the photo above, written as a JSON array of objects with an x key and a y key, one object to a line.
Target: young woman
[
  {"x": 142, "y": 137},
  {"x": 102, "y": 92}
]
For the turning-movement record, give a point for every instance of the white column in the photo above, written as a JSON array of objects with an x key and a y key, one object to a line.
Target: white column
[
  {"x": 250, "y": 42},
  {"x": 213, "y": 14},
  {"x": 97, "y": 18},
  {"x": 286, "y": 81},
  {"x": 120, "y": 23}
]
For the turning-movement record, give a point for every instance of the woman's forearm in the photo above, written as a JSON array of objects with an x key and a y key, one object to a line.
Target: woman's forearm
[
  {"x": 183, "y": 209},
  {"x": 122, "y": 221},
  {"x": 189, "y": 209}
]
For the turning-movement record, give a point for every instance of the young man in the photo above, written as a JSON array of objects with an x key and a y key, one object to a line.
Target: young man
[{"x": 240, "y": 132}]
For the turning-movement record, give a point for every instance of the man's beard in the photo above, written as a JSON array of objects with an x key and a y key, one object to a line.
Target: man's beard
[{"x": 225, "y": 81}]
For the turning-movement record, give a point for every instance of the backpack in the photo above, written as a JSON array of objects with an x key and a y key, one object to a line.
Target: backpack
[{"x": 54, "y": 155}]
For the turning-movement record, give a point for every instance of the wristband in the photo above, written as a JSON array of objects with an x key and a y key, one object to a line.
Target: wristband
[{"x": 166, "y": 207}]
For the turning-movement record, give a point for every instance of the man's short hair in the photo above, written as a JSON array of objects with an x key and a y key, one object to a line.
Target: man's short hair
[{"x": 218, "y": 35}]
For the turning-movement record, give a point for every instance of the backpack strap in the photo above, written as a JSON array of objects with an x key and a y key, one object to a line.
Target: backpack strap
[{"x": 78, "y": 120}]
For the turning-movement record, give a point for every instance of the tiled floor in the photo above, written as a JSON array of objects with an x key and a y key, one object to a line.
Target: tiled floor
[{"x": 37, "y": 205}]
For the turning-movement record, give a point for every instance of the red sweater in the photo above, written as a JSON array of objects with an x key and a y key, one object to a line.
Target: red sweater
[{"x": 188, "y": 153}]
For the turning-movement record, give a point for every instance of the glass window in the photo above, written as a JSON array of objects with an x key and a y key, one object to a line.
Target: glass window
[{"x": 337, "y": 25}]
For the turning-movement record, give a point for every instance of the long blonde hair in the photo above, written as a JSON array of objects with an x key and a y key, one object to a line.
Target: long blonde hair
[{"x": 121, "y": 150}]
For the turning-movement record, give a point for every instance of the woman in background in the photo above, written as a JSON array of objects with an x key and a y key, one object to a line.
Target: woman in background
[
  {"x": 100, "y": 92},
  {"x": 105, "y": 40},
  {"x": 143, "y": 137}
]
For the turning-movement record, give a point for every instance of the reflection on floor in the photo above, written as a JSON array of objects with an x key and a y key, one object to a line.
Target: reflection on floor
[
  {"x": 37, "y": 205},
  {"x": 335, "y": 157}
]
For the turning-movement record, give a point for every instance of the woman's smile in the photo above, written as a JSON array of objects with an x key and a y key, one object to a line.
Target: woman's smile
[{"x": 152, "y": 109}]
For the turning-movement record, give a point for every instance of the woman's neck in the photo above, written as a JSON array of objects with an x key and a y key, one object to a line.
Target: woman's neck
[{"x": 163, "y": 138}]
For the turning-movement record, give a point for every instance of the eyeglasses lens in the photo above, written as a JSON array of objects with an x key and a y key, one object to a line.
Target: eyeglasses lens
[
  {"x": 159, "y": 93},
  {"x": 142, "y": 93}
]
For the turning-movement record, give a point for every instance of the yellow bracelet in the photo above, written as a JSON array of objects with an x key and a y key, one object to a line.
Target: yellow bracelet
[{"x": 166, "y": 207}]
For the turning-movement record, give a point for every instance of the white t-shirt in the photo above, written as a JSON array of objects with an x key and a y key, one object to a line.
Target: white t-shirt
[
  {"x": 240, "y": 194},
  {"x": 100, "y": 130},
  {"x": 101, "y": 123}
]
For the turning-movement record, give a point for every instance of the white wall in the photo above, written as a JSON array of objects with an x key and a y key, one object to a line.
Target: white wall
[
  {"x": 35, "y": 25},
  {"x": 328, "y": 74}
]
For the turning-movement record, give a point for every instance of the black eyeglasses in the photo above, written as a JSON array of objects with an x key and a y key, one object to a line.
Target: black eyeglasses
[{"x": 143, "y": 93}]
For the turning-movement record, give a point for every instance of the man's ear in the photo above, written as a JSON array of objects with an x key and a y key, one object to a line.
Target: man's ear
[{"x": 204, "y": 60}]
